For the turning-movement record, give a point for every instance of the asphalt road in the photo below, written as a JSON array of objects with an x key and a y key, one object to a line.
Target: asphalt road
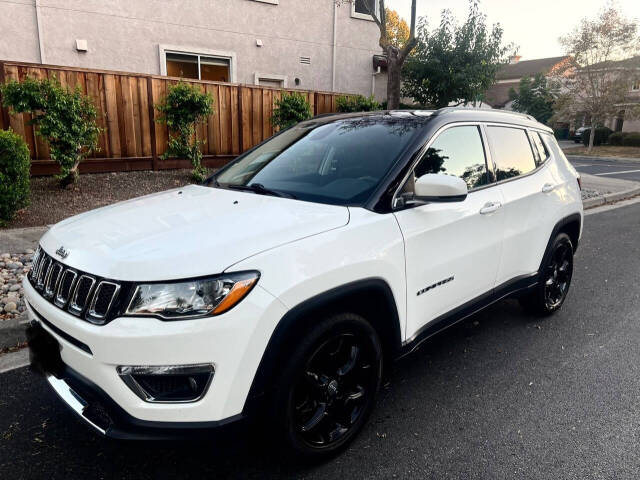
[
  {"x": 503, "y": 395},
  {"x": 624, "y": 169}
]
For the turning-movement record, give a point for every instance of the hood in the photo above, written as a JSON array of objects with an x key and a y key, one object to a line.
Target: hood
[{"x": 188, "y": 232}]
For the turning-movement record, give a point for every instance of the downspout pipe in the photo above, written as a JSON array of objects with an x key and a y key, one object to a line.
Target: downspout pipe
[
  {"x": 40, "y": 32},
  {"x": 334, "y": 46}
]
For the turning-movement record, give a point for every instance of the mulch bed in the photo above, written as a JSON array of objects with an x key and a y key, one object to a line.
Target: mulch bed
[{"x": 51, "y": 204}]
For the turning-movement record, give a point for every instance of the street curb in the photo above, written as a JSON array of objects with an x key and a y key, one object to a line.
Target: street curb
[{"x": 610, "y": 198}]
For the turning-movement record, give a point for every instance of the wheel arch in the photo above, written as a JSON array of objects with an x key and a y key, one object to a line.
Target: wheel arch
[
  {"x": 570, "y": 225},
  {"x": 371, "y": 298}
]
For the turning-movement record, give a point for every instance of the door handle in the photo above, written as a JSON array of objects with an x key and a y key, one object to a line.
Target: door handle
[
  {"x": 490, "y": 207},
  {"x": 548, "y": 187}
]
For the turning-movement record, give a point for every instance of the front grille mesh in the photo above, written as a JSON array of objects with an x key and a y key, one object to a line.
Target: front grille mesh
[{"x": 81, "y": 294}]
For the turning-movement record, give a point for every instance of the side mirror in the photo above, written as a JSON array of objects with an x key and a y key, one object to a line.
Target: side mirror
[{"x": 434, "y": 187}]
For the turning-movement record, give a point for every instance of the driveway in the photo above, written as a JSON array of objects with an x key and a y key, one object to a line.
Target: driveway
[{"x": 503, "y": 395}]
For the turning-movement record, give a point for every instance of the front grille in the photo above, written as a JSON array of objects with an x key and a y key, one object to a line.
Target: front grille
[{"x": 81, "y": 294}]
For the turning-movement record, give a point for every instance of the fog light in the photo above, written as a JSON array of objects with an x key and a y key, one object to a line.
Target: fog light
[{"x": 168, "y": 384}]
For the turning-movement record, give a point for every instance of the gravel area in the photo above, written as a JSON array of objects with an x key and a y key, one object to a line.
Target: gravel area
[
  {"x": 51, "y": 204},
  {"x": 13, "y": 267},
  {"x": 591, "y": 193}
]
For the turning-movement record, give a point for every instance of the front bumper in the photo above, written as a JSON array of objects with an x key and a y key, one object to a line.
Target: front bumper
[
  {"x": 234, "y": 342},
  {"x": 96, "y": 408}
]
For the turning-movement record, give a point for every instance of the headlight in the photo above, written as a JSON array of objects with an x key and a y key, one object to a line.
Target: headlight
[{"x": 192, "y": 298}]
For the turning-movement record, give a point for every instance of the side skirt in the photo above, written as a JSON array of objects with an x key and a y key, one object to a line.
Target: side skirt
[{"x": 465, "y": 310}]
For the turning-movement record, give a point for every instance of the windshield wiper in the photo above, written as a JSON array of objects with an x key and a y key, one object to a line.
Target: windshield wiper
[{"x": 261, "y": 189}]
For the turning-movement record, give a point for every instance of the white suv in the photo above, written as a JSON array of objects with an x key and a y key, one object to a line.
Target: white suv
[{"x": 280, "y": 287}]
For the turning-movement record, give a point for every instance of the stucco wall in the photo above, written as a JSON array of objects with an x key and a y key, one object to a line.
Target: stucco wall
[{"x": 125, "y": 35}]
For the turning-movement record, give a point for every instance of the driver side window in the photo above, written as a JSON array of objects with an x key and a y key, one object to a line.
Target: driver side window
[{"x": 457, "y": 151}]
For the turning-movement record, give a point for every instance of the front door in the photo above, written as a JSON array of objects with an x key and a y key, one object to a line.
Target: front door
[{"x": 452, "y": 250}]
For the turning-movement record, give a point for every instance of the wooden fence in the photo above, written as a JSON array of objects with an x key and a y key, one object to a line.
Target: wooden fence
[{"x": 131, "y": 139}]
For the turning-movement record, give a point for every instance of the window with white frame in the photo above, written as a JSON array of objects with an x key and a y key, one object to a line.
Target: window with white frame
[
  {"x": 363, "y": 9},
  {"x": 204, "y": 65},
  {"x": 270, "y": 80}
]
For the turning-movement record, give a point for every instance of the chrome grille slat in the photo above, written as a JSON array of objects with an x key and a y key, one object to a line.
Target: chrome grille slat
[
  {"x": 81, "y": 294},
  {"x": 80, "y": 299}
]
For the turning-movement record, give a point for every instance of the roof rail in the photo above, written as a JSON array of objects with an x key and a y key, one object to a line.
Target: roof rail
[{"x": 443, "y": 110}]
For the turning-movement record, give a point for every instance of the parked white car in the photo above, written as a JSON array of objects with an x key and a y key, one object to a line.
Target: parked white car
[{"x": 281, "y": 287}]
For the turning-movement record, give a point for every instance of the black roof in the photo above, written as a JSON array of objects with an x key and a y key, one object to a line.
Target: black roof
[{"x": 453, "y": 114}]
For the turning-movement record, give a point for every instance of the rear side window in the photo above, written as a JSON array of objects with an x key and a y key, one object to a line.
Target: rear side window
[
  {"x": 539, "y": 150},
  {"x": 512, "y": 152},
  {"x": 457, "y": 151}
]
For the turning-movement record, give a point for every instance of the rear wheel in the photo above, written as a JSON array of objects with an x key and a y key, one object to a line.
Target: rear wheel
[
  {"x": 555, "y": 278},
  {"x": 329, "y": 386}
]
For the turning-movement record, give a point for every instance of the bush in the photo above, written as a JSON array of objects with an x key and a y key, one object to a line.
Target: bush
[
  {"x": 290, "y": 109},
  {"x": 616, "y": 138},
  {"x": 602, "y": 135},
  {"x": 14, "y": 174},
  {"x": 631, "y": 139},
  {"x": 357, "y": 103},
  {"x": 65, "y": 118},
  {"x": 561, "y": 133},
  {"x": 183, "y": 108}
]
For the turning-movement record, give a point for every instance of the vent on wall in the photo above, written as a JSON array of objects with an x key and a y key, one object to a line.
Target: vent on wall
[{"x": 305, "y": 60}]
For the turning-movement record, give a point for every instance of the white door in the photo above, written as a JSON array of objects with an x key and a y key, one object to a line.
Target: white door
[
  {"x": 527, "y": 182},
  {"x": 452, "y": 250}
]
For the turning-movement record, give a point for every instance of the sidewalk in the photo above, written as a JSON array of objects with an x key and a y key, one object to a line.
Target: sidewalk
[
  {"x": 17, "y": 240},
  {"x": 606, "y": 190}
]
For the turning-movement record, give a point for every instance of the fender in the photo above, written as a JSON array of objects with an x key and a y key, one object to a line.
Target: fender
[
  {"x": 560, "y": 226},
  {"x": 383, "y": 315}
]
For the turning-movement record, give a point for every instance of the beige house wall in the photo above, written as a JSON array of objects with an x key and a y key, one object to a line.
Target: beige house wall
[{"x": 127, "y": 35}]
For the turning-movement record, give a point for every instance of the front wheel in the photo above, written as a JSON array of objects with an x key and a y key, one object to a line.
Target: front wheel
[
  {"x": 329, "y": 386},
  {"x": 554, "y": 280}
]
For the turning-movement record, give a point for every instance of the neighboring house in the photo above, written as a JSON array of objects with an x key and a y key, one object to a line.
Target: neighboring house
[
  {"x": 628, "y": 117},
  {"x": 510, "y": 75},
  {"x": 306, "y": 44}
]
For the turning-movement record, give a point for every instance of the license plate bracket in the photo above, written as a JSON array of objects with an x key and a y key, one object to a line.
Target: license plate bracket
[{"x": 44, "y": 351}]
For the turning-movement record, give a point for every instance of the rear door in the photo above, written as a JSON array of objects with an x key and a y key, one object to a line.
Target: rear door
[
  {"x": 452, "y": 250},
  {"x": 528, "y": 186}
]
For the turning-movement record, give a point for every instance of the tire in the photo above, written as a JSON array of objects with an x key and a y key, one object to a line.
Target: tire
[
  {"x": 554, "y": 278},
  {"x": 328, "y": 387}
]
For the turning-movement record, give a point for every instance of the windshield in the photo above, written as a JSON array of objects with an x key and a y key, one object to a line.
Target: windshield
[{"x": 341, "y": 162}]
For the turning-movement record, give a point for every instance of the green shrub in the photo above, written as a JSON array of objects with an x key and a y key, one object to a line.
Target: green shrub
[
  {"x": 631, "y": 139},
  {"x": 602, "y": 134},
  {"x": 616, "y": 138},
  {"x": 561, "y": 133},
  {"x": 14, "y": 174},
  {"x": 357, "y": 103},
  {"x": 65, "y": 118},
  {"x": 183, "y": 108},
  {"x": 290, "y": 109}
]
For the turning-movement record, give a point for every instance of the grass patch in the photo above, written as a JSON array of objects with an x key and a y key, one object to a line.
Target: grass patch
[{"x": 604, "y": 151}]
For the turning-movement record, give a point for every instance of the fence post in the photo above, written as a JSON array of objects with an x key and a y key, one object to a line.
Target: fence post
[
  {"x": 4, "y": 112},
  {"x": 240, "y": 125},
  {"x": 152, "y": 124}
]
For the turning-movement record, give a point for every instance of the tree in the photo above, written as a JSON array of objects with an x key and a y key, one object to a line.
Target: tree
[
  {"x": 535, "y": 96},
  {"x": 455, "y": 63},
  {"x": 183, "y": 108},
  {"x": 599, "y": 77},
  {"x": 65, "y": 118},
  {"x": 395, "y": 54},
  {"x": 397, "y": 28}
]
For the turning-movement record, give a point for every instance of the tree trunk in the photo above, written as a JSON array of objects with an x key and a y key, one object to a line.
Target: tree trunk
[
  {"x": 592, "y": 135},
  {"x": 394, "y": 69}
]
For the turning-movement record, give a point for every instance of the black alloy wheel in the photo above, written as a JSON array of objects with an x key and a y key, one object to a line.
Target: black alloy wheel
[
  {"x": 339, "y": 380},
  {"x": 555, "y": 276},
  {"x": 328, "y": 387}
]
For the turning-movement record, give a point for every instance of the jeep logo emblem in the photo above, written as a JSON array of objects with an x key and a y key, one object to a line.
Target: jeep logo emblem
[{"x": 62, "y": 253}]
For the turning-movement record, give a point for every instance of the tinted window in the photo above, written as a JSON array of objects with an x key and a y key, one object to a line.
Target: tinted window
[
  {"x": 456, "y": 151},
  {"x": 341, "y": 162},
  {"x": 512, "y": 152},
  {"x": 539, "y": 149}
]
